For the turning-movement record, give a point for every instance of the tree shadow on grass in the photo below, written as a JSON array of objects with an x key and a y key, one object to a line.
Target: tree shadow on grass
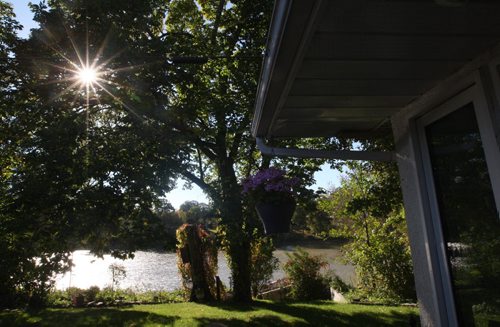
[
  {"x": 86, "y": 317},
  {"x": 258, "y": 313},
  {"x": 318, "y": 314},
  {"x": 259, "y": 321},
  {"x": 232, "y": 306},
  {"x": 321, "y": 314}
]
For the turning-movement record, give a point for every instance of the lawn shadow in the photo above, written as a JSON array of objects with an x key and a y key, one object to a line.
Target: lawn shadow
[
  {"x": 86, "y": 317},
  {"x": 259, "y": 321},
  {"x": 318, "y": 315},
  {"x": 233, "y": 306},
  {"x": 258, "y": 313}
]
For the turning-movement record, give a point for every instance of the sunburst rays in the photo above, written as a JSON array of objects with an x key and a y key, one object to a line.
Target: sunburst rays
[{"x": 90, "y": 74}]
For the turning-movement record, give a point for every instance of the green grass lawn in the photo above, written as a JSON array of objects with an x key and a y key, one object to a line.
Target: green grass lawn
[{"x": 259, "y": 313}]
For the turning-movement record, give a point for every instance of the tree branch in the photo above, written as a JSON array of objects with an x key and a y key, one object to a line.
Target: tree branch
[
  {"x": 210, "y": 190},
  {"x": 217, "y": 21},
  {"x": 207, "y": 148},
  {"x": 238, "y": 137},
  {"x": 200, "y": 165},
  {"x": 251, "y": 161},
  {"x": 236, "y": 145}
]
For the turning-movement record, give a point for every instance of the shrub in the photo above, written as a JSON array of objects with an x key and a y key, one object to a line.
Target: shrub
[
  {"x": 91, "y": 293},
  {"x": 57, "y": 298},
  {"x": 73, "y": 296},
  {"x": 367, "y": 209},
  {"x": 263, "y": 263},
  {"x": 303, "y": 270},
  {"x": 108, "y": 294},
  {"x": 383, "y": 265}
]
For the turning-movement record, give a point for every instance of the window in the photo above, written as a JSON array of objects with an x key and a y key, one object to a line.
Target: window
[{"x": 467, "y": 213}]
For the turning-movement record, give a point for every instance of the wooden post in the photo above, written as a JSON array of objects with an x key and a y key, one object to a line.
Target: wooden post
[{"x": 218, "y": 285}]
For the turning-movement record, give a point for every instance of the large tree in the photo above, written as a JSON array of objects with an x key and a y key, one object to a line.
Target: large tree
[
  {"x": 211, "y": 109},
  {"x": 174, "y": 94},
  {"x": 10, "y": 252},
  {"x": 82, "y": 167}
]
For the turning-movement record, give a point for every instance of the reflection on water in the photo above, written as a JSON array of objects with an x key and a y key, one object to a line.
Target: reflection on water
[
  {"x": 158, "y": 271},
  {"x": 147, "y": 271}
]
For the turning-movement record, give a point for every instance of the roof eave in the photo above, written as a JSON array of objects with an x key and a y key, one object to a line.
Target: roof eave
[{"x": 286, "y": 42}]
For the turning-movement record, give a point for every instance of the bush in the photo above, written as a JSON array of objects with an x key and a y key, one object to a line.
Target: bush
[
  {"x": 383, "y": 265},
  {"x": 367, "y": 209},
  {"x": 57, "y": 298},
  {"x": 303, "y": 270},
  {"x": 263, "y": 262},
  {"x": 78, "y": 297},
  {"x": 91, "y": 293},
  {"x": 74, "y": 292}
]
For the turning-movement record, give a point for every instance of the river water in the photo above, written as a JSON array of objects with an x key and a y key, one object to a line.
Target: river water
[{"x": 158, "y": 270}]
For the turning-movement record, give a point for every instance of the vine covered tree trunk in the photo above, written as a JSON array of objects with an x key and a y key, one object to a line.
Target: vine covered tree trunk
[
  {"x": 200, "y": 290},
  {"x": 238, "y": 242},
  {"x": 240, "y": 269}
]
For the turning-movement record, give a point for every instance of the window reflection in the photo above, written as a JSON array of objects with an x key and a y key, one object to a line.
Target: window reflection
[{"x": 469, "y": 215}]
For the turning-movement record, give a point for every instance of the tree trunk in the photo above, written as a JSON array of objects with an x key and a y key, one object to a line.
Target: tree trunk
[
  {"x": 200, "y": 290},
  {"x": 238, "y": 250},
  {"x": 236, "y": 235},
  {"x": 240, "y": 269}
]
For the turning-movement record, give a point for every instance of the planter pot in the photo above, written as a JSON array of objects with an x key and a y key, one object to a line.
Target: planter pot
[{"x": 275, "y": 217}]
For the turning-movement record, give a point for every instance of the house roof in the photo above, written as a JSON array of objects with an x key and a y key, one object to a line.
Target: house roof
[{"x": 343, "y": 67}]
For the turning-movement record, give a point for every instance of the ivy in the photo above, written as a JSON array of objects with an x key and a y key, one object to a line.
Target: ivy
[{"x": 209, "y": 261}]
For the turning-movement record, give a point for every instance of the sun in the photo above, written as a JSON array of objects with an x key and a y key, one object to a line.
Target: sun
[{"x": 87, "y": 75}]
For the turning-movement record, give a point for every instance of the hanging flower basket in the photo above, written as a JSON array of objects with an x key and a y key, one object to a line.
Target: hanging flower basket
[
  {"x": 274, "y": 193},
  {"x": 276, "y": 217}
]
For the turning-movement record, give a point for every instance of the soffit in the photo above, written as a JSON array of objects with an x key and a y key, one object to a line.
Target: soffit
[{"x": 345, "y": 66}]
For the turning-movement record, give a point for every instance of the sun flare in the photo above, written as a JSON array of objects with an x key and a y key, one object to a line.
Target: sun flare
[{"x": 87, "y": 75}]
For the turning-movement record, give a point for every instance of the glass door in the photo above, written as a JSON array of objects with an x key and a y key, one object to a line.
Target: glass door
[{"x": 457, "y": 163}]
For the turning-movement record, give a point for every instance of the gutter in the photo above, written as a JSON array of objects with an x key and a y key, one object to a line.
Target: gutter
[
  {"x": 279, "y": 18},
  {"x": 324, "y": 154}
]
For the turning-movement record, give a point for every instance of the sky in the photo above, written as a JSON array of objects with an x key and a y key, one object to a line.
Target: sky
[
  {"x": 326, "y": 178},
  {"x": 24, "y": 15}
]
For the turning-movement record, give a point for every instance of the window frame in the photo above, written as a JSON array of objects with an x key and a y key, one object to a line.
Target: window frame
[{"x": 485, "y": 115}]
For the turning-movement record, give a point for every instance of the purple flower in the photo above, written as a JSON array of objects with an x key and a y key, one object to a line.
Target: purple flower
[{"x": 270, "y": 183}]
